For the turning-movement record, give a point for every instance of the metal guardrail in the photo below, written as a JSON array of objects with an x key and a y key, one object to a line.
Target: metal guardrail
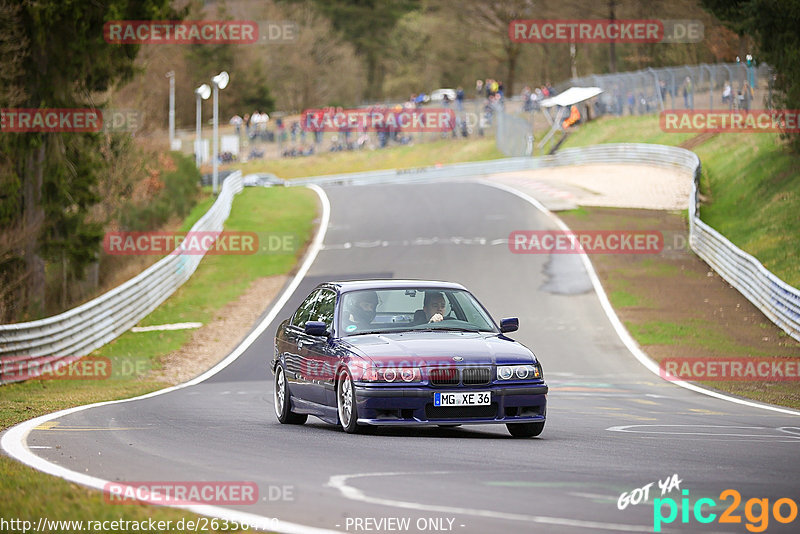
[
  {"x": 779, "y": 301},
  {"x": 79, "y": 331}
]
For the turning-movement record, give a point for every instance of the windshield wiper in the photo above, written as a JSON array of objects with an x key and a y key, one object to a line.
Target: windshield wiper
[{"x": 446, "y": 329}]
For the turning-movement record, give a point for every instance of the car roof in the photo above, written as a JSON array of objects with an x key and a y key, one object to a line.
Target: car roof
[{"x": 345, "y": 286}]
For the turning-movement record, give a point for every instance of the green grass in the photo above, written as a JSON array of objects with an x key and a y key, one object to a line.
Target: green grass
[
  {"x": 398, "y": 157},
  {"x": 750, "y": 180},
  {"x": 222, "y": 278},
  {"x": 635, "y": 129},
  {"x": 754, "y": 190},
  {"x": 622, "y": 299},
  {"x": 691, "y": 333},
  {"x": 29, "y": 494}
]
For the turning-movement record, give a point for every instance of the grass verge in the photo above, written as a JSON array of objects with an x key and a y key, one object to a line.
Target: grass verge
[
  {"x": 674, "y": 306},
  {"x": 750, "y": 182},
  {"x": 29, "y": 494},
  {"x": 396, "y": 157}
]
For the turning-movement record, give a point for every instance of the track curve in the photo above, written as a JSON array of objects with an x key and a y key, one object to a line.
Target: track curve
[{"x": 612, "y": 425}]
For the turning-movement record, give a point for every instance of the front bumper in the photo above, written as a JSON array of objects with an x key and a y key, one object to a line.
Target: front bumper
[{"x": 381, "y": 405}]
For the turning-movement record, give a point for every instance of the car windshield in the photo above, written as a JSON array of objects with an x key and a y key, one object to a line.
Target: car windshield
[{"x": 412, "y": 309}]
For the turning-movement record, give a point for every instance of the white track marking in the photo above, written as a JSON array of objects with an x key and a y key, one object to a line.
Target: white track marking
[
  {"x": 622, "y": 332},
  {"x": 159, "y": 327},
  {"x": 339, "y": 482},
  {"x": 14, "y": 439}
]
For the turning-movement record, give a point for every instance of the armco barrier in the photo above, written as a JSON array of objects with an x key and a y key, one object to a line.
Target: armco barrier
[
  {"x": 81, "y": 330},
  {"x": 87, "y": 327},
  {"x": 779, "y": 301}
]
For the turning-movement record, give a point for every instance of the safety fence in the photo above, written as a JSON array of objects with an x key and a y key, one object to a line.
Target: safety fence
[{"x": 62, "y": 338}]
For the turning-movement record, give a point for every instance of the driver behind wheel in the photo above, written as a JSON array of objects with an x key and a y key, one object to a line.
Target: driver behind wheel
[
  {"x": 362, "y": 310},
  {"x": 433, "y": 307}
]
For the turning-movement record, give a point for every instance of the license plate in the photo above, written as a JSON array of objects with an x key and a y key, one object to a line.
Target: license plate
[{"x": 469, "y": 398}]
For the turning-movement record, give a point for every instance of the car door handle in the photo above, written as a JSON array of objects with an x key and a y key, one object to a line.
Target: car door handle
[{"x": 301, "y": 342}]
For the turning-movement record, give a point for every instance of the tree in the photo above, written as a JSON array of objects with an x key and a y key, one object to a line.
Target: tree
[
  {"x": 773, "y": 25},
  {"x": 58, "y": 59},
  {"x": 366, "y": 24},
  {"x": 491, "y": 20}
]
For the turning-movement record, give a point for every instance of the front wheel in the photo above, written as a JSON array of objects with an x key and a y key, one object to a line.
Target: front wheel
[
  {"x": 282, "y": 400},
  {"x": 346, "y": 402},
  {"x": 525, "y": 430}
]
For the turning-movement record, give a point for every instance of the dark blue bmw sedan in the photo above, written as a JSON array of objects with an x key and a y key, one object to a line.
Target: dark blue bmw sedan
[{"x": 404, "y": 352}]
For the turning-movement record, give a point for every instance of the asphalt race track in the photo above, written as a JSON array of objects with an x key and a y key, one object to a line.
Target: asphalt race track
[{"x": 613, "y": 426}]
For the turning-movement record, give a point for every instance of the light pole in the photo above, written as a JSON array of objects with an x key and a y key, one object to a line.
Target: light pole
[
  {"x": 201, "y": 93},
  {"x": 171, "y": 76},
  {"x": 220, "y": 81}
]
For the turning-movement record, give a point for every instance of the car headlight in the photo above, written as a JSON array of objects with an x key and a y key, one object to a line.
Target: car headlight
[
  {"x": 505, "y": 372},
  {"x": 519, "y": 372},
  {"x": 392, "y": 374}
]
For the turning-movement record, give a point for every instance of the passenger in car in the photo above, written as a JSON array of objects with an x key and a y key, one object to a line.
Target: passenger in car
[{"x": 433, "y": 307}]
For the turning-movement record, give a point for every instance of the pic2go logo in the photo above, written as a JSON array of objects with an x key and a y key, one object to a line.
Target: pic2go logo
[{"x": 758, "y": 522}]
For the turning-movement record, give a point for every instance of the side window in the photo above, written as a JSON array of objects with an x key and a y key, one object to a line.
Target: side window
[
  {"x": 305, "y": 310},
  {"x": 323, "y": 311}
]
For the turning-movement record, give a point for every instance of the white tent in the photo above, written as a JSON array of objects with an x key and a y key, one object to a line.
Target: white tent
[
  {"x": 573, "y": 95},
  {"x": 570, "y": 97}
]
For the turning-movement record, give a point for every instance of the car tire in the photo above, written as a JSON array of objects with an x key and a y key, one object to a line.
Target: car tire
[
  {"x": 525, "y": 430},
  {"x": 282, "y": 400},
  {"x": 346, "y": 403}
]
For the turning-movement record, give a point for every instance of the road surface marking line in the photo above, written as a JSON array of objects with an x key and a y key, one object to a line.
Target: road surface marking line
[
  {"x": 13, "y": 440},
  {"x": 622, "y": 332}
]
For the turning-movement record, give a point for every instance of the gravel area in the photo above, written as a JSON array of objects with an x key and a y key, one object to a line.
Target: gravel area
[{"x": 606, "y": 185}]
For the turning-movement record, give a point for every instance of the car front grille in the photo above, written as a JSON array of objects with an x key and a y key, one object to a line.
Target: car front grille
[
  {"x": 444, "y": 376},
  {"x": 461, "y": 412},
  {"x": 453, "y": 376},
  {"x": 472, "y": 376}
]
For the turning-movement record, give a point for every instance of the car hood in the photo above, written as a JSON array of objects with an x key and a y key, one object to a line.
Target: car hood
[{"x": 422, "y": 349}]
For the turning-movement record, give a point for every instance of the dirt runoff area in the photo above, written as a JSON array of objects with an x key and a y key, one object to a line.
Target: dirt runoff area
[
  {"x": 216, "y": 339},
  {"x": 672, "y": 302}
]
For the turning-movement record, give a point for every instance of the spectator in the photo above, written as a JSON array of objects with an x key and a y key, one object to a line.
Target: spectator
[
  {"x": 526, "y": 99},
  {"x": 237, "y": 121},
  {"x": 747, "y": 97},
  {"x": 688, "y": 93},
  {"x": 460, "y": 99}
]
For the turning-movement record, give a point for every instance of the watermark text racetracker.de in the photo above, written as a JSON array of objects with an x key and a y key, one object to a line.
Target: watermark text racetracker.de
[
  {"x": 605, "y": 31},
  {"x": 587, "y": 241},
  {"x": 182, "y": 493},
  {"x": 199, "y": 524},
  {"x": 727, "y": 369},
  {"x": 727, "y": 121},
  {"x": 32, "y": 120},
  {"x": 200, "y": 31},
  {"x": 198, "y": 243},
  {"x": 57, "y": 367},
  {"x": 378, "y": 119}
]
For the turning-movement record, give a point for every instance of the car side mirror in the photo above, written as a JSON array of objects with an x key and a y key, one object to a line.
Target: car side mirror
[
  {"x": 316, "y": 328},
  {"x": 509, "y": 324}
]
